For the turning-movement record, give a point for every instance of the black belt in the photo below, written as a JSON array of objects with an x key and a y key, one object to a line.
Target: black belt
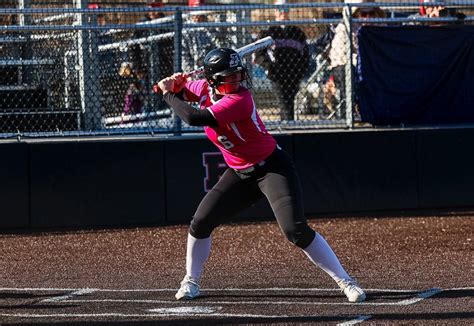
[{"x": 251, "y": 168}]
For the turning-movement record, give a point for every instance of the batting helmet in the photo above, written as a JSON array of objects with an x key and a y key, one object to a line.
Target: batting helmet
[{"x": 222, "y": 62}]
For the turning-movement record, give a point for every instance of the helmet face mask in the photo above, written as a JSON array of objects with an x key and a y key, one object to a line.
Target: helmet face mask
[
  {"x": 220, "y": 63},
  {"x": 221, "y": 78},
  {"x": 230, "y": 83}
]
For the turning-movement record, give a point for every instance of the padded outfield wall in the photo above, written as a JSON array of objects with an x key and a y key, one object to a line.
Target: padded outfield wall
[{"x": 157, "y": 181}]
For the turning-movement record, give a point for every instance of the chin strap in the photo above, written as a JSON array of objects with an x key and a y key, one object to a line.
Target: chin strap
[{"x": 214, "y": 97}]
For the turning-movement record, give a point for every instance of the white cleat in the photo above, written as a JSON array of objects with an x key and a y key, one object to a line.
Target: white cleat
[
  {"x": 352, "y": 290},
  {"x": 189, "y": 289}
]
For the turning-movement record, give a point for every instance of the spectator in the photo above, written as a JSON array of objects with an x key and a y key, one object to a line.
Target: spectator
[
  {"x": 149, "y": 61},
  {"x": 286, "y": 62},
  {"x": 152, "y": 15},
  {"x": 103, "y": 34},
  {"x": 335, "y": 86},
  {"x": 139, "y": 54},
  {"x": 197, "y": 41},
  {"x": 106, "y": 65},
  {"x": 437, "y": 11},
  {"x": 101, "y": 20},
  {"x": 136, "y": 95}
]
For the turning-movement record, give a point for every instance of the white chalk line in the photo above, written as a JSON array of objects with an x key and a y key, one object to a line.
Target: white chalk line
[
  {"x": 186, "y": 310},
  {"x": 406, "y": 302},
  {"x": 215, "y": 290},
  {"x": 420, "y": 296},
  {"x": 240, "y": 303},
  {"x": 204, "y": 312},
  {"x": 149, "y": 315},
  {"x": 69, "y": 296}
]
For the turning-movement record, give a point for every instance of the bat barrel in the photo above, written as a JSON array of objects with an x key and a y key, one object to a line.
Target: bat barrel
[
  {"x": 243, "y": 51},
  {"x": 255, "y": 46}
]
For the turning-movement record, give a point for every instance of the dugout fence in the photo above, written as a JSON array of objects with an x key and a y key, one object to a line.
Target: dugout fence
[{"x": 80, "y": 69}]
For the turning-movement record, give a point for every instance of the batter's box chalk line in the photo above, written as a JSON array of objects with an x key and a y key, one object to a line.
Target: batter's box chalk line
[
  {"x": 74, "y": 294},
  {"x": 204, "y": 308}
]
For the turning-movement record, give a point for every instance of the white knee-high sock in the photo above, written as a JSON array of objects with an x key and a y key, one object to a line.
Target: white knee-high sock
[
  {"x": 197, "y": 253},
  {"x": 321, "y": 254}
]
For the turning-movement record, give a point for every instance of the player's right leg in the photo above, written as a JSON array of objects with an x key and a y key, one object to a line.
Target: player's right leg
[
  {"x": 197, "y": 252},
  {"x": 228, "y": 197}
]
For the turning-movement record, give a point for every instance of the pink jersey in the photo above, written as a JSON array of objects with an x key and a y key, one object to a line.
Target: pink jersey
[{"x": 241, "y": 135}]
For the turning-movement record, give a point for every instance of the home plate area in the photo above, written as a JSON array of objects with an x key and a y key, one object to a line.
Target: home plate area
[{"x": 279, "y": 304}]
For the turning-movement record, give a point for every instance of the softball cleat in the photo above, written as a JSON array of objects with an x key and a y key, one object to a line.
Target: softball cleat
[
  {"x": 189, "y": 289},
  {"x": 352, "y": 290}
]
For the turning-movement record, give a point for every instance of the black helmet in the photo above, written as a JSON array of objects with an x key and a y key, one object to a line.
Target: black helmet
[{"x": 222, "y": 62}]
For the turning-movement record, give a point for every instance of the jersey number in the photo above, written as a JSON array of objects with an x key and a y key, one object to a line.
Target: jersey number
[{"x": 225, "y": 142}]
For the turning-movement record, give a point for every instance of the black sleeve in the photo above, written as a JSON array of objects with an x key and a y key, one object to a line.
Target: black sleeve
[{"x": 189, "y": 114}]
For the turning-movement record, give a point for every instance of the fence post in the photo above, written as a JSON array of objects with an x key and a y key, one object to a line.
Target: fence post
[
  {"x": 349, "y": 76},
  {"x": 26, "y": 52},
  {"x": 89, "y": 77},
  {"x": 155, "y": 63},
  {"x": 178, "y": 48}
]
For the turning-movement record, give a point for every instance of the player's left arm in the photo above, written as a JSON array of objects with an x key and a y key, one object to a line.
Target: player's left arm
[{"x": 189, "y": 114}]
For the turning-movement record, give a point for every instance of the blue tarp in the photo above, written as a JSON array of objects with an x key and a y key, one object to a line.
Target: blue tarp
[{"x": 416, "y": 75}]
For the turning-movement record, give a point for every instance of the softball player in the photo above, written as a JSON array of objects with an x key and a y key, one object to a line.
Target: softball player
[{"x": 257, "y": 167}]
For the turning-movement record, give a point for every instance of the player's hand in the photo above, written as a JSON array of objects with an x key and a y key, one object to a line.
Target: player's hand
[
  {"x": 180, "y": 80},
  {"x": 166, "y": 85},
  {"x": 174, "y": 83}
]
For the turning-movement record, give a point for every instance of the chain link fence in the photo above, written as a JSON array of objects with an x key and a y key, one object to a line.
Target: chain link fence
[{"x": 85, "y": 69}]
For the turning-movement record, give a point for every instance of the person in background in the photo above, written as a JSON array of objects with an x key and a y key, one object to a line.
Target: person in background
[
  {"x": 334, "y": 89},
  {"x": 197, "y": 41},
  {"x": 107, "y": 64},
  {"x": 437, "y": 11},
  {"x": 257, "y": 167},
  {"x": 135, "y": 96},
  {"x": 101, "y": 20},
  {"x": 286, "y": 62},
  {"x": 153, "y": 14},
  {"x": 141, "y": 57}
]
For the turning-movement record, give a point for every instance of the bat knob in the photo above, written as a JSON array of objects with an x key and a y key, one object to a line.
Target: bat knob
[{"x": 156, "y": 89}]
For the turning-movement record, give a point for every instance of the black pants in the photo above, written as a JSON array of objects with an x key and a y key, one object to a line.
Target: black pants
[{"x": 277, "y": 180}]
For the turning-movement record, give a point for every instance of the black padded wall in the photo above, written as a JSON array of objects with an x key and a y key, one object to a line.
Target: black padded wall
[
  {"x": 14, "y": 192},
  {"x": 76, "y": 184},
  {"x": 155, "y": 181},
  {"x": 357, "y": 171},
  {"x": 445, "y": 168}
]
